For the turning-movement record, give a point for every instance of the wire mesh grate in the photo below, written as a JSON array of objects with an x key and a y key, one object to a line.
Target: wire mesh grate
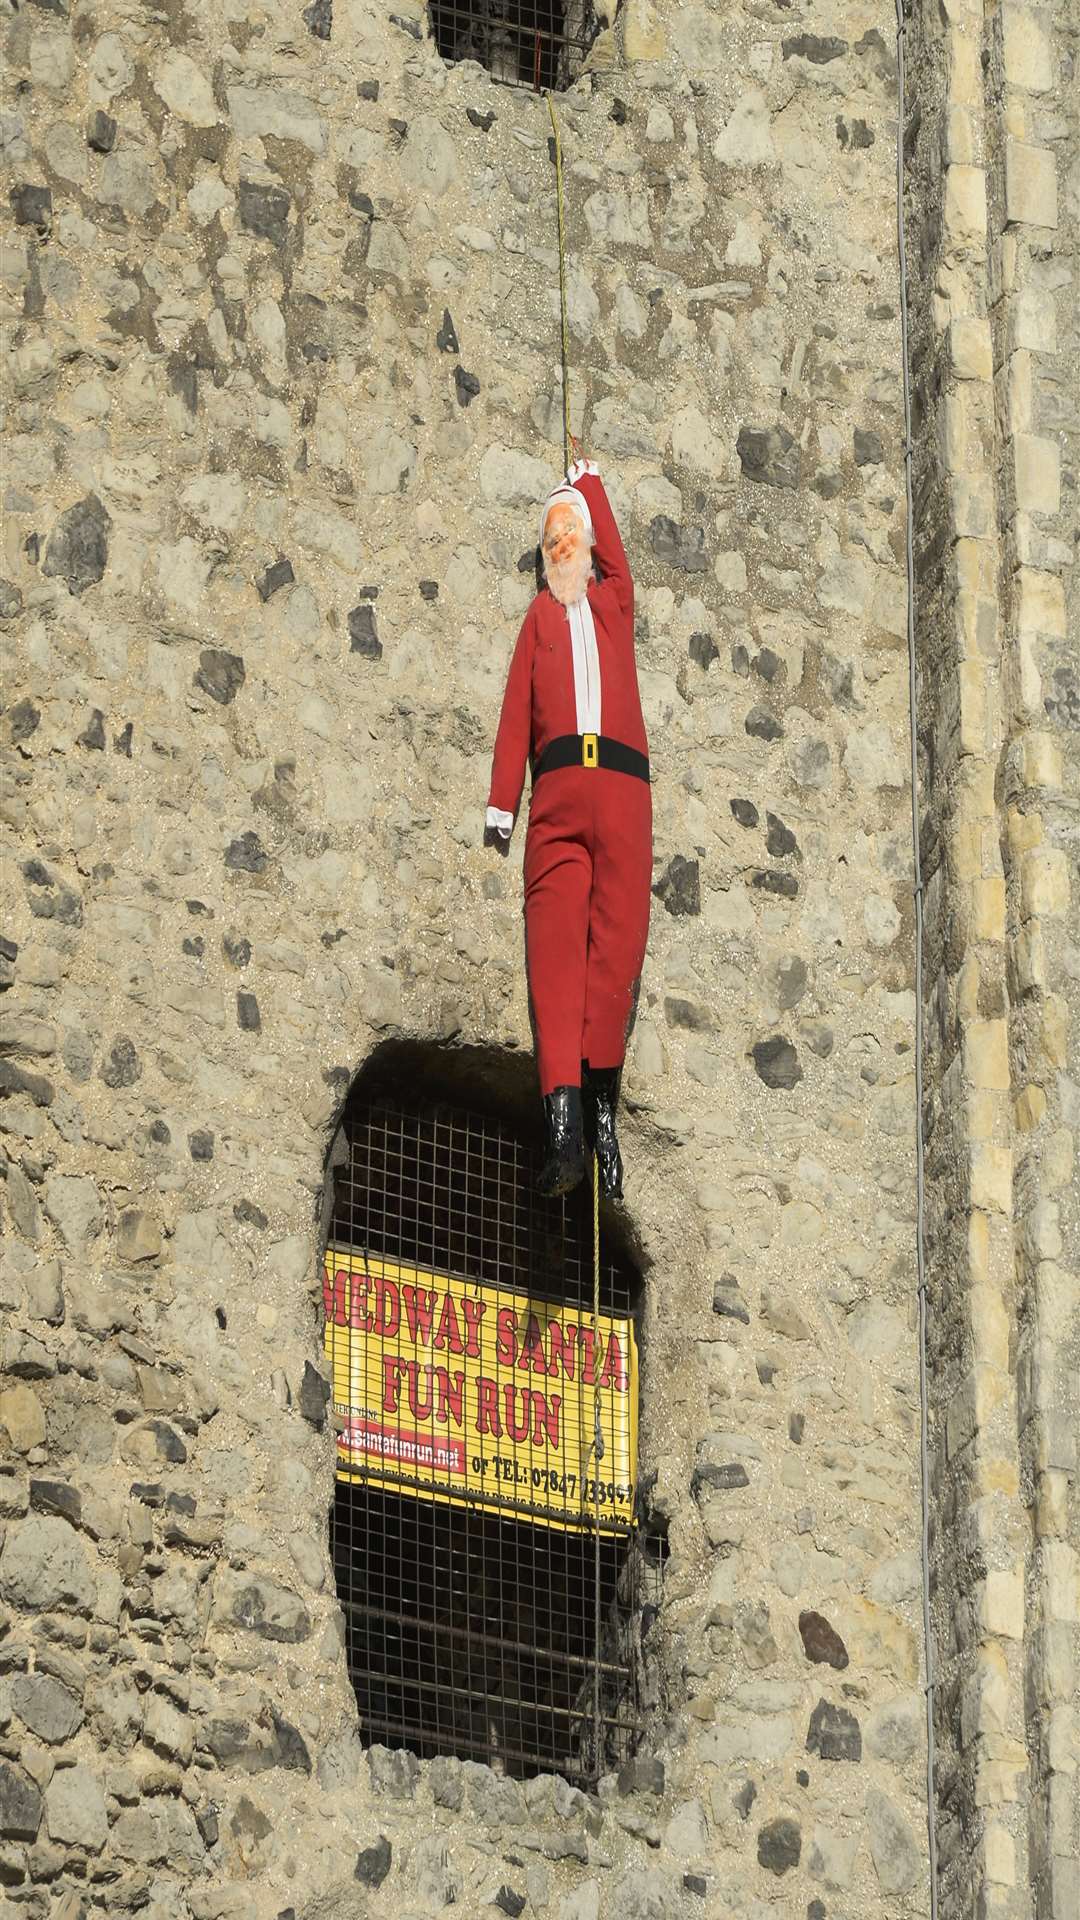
[
  {"x": 489, "y": 1574},
  {"x": 535, "y": 43}
]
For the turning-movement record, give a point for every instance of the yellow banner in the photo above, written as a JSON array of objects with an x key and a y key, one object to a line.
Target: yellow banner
[{"x": 478, "y": 1395}]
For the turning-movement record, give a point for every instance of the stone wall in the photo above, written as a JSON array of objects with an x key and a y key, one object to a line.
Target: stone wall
[
  {"x": 280, "y": 323},
  {"x": 993, "y": 145}
]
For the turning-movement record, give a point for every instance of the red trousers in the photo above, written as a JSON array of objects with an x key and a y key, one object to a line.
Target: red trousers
[{"x": 588, "y": 871}]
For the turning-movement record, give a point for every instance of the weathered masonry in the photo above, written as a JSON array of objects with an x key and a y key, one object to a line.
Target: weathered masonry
[{"x": 280, "y": 329}]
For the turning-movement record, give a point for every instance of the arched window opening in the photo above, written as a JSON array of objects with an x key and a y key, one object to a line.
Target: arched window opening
[
  {"x": 539, "y": 44},
  {"x": 493, "y": 1580}
]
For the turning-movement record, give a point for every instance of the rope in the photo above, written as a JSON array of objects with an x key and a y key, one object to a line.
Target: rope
[
  {"x": 568, "y": 438},
  {"x": 917, "y": 889}
]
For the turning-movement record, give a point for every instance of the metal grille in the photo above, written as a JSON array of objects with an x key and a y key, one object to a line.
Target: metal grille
[
  {"x": 536, "y": 43},
  {"x": 472, "y": 1630}
]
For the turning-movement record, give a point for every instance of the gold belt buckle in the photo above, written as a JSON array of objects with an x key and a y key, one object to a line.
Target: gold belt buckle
[{"x": 590, "y": 750}]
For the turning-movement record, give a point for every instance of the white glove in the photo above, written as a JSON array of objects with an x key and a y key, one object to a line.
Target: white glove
[{"x": 500, "y": 822}]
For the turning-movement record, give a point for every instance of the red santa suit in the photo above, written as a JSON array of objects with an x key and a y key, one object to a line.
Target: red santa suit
[{"x": 572, "y": 708}]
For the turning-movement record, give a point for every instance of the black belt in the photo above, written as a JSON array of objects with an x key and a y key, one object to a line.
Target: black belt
[{"x": 590, "y": 750}]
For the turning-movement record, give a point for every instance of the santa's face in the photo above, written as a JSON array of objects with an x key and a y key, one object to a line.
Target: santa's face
[{"x": 567, "y": 555}]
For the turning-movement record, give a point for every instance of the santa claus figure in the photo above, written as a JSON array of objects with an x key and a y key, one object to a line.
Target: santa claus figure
[{"x": 572, "y": 709}]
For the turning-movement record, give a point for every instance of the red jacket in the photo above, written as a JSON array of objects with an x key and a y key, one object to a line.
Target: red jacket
[{"x": 539, "y": 704}]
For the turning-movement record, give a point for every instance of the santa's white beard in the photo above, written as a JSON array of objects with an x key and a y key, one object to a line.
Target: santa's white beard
[{"x": 567, "y": 580}]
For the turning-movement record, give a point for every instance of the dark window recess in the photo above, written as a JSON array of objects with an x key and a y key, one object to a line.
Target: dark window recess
[
  {"x": 496, "y": 1638},
  {"x": 524, "y": 43}
]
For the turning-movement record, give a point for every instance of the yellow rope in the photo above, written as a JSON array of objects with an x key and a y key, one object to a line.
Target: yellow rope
[{"x": 568, "y": 439}]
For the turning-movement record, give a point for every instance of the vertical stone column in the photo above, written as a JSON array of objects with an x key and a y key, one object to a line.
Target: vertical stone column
[
  {"x": 1034, "y": 129},
  {"x": 979, "y": 1530}
]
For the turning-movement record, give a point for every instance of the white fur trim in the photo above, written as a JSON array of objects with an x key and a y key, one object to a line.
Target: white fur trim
[{"x": 586, "y": 666}]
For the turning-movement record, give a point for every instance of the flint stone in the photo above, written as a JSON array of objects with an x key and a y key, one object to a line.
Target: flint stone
[
  {"x": 896, "y": 1855},
  {"x": 727, "y": 1300},
  {"x": 314, "y": 1393},
  {"x": 677, "y": 546},
  {"x": 679, "y": 887},
  {"x": 101, "y": 132},
  {"x": 833, "y": 1733},
  {"x": 393, "y": 1771},
  {"x": 75, "y": 1809},
  {"x": 264, "y": 211},
  {"x": 47, "y": 1708},
  {"x": 703, "y": 649},
  {"x": 220, "y": 674},
  {"x": 262, "y": 1607},
  {"x": 57, "y": 1498},
  {"x": 23, "y": 719},
  {"x": 248, "y": 1018},
  {"x": 246, "y": 854},
  {"x": 373, "y": 1863},
  {"x": 319, "y": 18},
  {"x": 769, "y": 456},
  {"x": 78, "y": 549},
  {"x": 32, "y": 207},
  {"x": 777, "y": 1063},
  {"x": 895, "y": 1731},
  {"x": 123, "y": 1066},
  {"x": 779, "y": 1845},
  {"x": 643, "y": 1774},
  {"x": 760, "y": 724},
  {"x": 363, "y": 637},
  {"x": 20, "y": 1804},
  {"x": 821, "y": 1642},
  {"x": 11, "y": 600},
  {"x": 279, "y": 575},
  {"x": 819, "y": 49}
]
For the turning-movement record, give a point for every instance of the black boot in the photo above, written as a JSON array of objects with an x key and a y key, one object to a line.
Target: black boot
[
  {"x": 600, "y": 1097},
  {"x": 565, "y": 1162}
]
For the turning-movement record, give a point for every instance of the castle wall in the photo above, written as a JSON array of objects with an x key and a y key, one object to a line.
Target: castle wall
[{"x": 281, "y": 325}]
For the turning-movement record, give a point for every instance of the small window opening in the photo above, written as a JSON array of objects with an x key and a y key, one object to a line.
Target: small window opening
[
  {"x": 494, "y": 1584},
  {"x": 523, "y": 43}
]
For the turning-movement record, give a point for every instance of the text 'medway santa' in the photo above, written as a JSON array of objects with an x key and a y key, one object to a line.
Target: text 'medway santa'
[{"x": 572, "y": 709}]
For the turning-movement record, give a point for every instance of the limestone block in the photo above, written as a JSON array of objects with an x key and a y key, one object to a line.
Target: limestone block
[
  {"x": 971, "y": 350},
  {"x": 986, "y": 1054},
  {"x": 1044, "y": 882},
  {"x": 1001, "y": 1605},
  {"x": 964, "y": 208},
  {"x": 991, "y": 1179},
  {"x": 1040, "y": 603},
  {"x": 1038, "y": 473},
  {"x": 1033, "y": 321},
  {"x": 1028, "y": 57},
  {"x": 1030, "y": 185}
]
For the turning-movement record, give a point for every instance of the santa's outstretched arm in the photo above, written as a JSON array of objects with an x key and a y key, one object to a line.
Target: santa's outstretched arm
[
  {"x": 513, "y": 737},
  {"x": 608, "y": 550}
]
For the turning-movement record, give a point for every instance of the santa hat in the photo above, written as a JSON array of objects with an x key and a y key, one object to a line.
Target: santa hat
[{"x": 568, "y": 496}]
